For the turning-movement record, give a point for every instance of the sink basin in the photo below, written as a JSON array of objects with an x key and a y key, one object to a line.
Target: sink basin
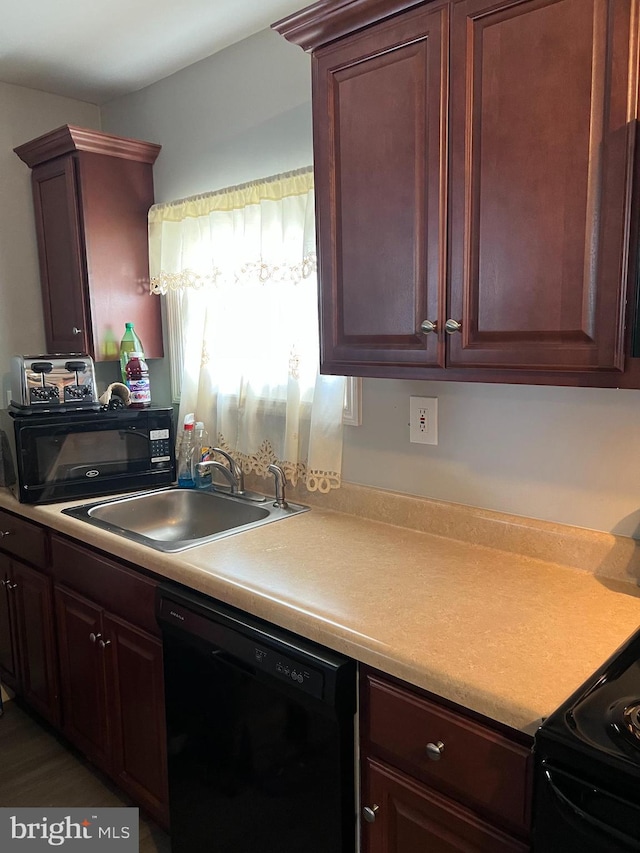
[{"x": 173, "y": 520}]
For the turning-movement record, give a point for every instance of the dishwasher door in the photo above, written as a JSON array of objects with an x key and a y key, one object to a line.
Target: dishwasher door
[{"x": 260, "y": 729}]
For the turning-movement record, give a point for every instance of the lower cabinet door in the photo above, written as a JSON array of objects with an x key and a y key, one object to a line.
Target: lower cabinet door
[
  {"x": 8, "y": 644},
  {"x": 410, "y": 817},
  {"x": 133, "y": 661},
  {"x": 82, "y": 674},
  {"x": 33, "y": 608}
]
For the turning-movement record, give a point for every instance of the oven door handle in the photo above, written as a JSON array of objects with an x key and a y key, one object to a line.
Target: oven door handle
[{"x": 606, "y": 829}]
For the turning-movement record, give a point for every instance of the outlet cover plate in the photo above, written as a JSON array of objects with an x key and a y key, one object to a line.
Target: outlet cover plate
[{"x": 423, "y": 420}]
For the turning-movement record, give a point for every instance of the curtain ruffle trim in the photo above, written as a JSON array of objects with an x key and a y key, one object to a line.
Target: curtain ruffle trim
[
  {"x": 258, "y": 462},
  {"x": 253, "y": 272},
  {"x": 274, "y": 188}
]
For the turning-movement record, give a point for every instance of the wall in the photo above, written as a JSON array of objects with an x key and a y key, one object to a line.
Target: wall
[
  {"x": 26, "y": 114},
  {"x": 564, "y": 454}
]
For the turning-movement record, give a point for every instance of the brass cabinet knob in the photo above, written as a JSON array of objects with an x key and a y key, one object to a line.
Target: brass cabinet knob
[
  {"x": 435, "y": 750},
  {"x": 452, "y": 326},
  {"x": 369, "y": 813},
  {"x": 428, "y": 326}
]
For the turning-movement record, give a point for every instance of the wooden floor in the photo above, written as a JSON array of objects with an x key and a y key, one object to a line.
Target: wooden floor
[{"x": 37, "y": 770}]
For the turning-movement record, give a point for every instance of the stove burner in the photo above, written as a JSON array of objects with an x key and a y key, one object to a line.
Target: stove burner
[
  {"x": 623, "y": 721},
  {"x": 631, "y": 720}
]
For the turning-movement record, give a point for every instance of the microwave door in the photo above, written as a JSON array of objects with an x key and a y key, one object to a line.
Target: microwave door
[{"x": 100, "y": 452}]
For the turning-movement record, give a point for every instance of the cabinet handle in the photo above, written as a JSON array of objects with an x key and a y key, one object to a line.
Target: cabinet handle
[
  {"x": 6, "y": 583},
  {"x": 369, "y": 813},
  {"x": 76, "y": 330},
  {"x": 452, "y": 326},
  {"x": 13, "y": 586},
  {"x": 104, "y": 643},
  {"x": 435, "y": 750},
  {"x": 428, "y": 326},
  {"x": 94, "y": 637},
  {"x": 4, "y": 533}
]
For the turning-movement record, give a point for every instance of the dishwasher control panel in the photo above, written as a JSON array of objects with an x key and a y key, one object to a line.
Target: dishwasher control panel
[
  {"x": 224, "y": 636},
  {"x": 288, "y": 669}
]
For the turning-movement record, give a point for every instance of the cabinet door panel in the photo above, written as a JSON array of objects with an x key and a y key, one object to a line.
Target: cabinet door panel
[
  {"x": 84, "y": 706},
  {"x": 379, "y": 138},
  {"x": 8, "y": 645},
  {"x": 33, "y": 606},
  {"x": 135, "y": 676},
  {"x": 542, "y": 141},
  {"x": 61, "y": 256},
  {"x": 412, "y": 817}
]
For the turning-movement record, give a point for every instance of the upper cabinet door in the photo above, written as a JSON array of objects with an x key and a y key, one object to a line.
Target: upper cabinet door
[
  {"x": 379, "y": 102},
  {"x": 61, "y": 251},
  {"x": 542, "y": 136}
]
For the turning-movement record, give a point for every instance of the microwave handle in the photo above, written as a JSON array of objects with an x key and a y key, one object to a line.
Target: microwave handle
[{"x": 580, "y": 813}]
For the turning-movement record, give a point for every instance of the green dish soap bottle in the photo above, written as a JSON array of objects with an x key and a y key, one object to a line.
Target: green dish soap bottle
[{"x": 130, "y": 343}]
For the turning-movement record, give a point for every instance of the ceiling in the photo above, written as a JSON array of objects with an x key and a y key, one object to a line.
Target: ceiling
[{"x": 100, "y": 50}]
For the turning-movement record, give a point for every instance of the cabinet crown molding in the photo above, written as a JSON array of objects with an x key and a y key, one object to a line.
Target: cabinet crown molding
[
  {"x": 69, "y": 138},
  {"x": 328, "y": 20}
]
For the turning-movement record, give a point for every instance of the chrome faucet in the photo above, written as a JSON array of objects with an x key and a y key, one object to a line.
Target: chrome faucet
[
  {"x": 281, "y": 481},
  {"x": 233, "y": 474},
  {"x": 214, "y": 465}
]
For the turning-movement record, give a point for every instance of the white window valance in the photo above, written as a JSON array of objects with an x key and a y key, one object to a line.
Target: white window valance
[{"x": 260, "y": 231}]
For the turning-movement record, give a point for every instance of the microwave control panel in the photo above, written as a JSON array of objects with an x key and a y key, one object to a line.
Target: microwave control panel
[{"x": 160, "y": 450}]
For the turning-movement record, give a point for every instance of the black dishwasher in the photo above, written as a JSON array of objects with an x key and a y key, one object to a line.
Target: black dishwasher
[{"x": 260, "y": 733}]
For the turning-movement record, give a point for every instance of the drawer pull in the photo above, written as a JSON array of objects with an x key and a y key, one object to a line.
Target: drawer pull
[
  {"x": 94, "y": 637},
  {"x": 435, "y": 750},
  {"x": 369, "y": 813}
]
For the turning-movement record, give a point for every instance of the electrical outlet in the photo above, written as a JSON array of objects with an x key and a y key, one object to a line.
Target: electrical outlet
[{"x": 423, "y": 420}]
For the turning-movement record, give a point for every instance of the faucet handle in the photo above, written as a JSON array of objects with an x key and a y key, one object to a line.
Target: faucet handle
[{"x": 281, "y": 481}]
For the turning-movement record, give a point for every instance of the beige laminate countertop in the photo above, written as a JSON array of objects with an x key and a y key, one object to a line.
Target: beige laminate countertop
[{"x": 506, "y": 635}]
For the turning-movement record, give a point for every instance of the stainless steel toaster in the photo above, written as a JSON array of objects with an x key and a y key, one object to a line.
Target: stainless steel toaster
[{"x": 59, "y": 382}]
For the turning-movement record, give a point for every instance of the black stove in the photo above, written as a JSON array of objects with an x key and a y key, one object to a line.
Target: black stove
[{"x": 587, "y": 764}]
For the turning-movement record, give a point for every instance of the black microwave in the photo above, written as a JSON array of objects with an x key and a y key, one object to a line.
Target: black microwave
[{"x": 68, "y": 455}]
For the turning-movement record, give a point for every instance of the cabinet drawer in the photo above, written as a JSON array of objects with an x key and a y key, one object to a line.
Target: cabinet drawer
[
  {"x": 477, "y": 765},
  {"x": 23, "y": 539},
  {"x": 114, "y": 587}
]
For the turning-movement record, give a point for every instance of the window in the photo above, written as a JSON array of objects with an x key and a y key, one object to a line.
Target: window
[{"x": 239, "y": 270}]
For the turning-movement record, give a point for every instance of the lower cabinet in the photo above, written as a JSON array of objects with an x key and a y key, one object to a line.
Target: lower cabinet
[
  {"x": 434, "y": 779},
  {"x": 411, "y": 817},
  {"x": 27, "y": 637},
  {"x": 111, "y": 672}
]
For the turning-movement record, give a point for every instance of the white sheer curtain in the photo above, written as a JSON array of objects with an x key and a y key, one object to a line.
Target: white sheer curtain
[{"x": 241, "y": 264}]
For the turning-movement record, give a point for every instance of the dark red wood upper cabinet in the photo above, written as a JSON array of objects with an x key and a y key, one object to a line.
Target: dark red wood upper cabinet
[
  {"x": 380, "y": 140},
  {"x": 542, "y": 114},
  {"x": 475, "y": 164},
  {"x": 92, "y": 192}
]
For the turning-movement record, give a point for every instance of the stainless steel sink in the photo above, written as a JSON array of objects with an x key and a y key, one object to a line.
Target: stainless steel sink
[{"x": 173, "y": 519}]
